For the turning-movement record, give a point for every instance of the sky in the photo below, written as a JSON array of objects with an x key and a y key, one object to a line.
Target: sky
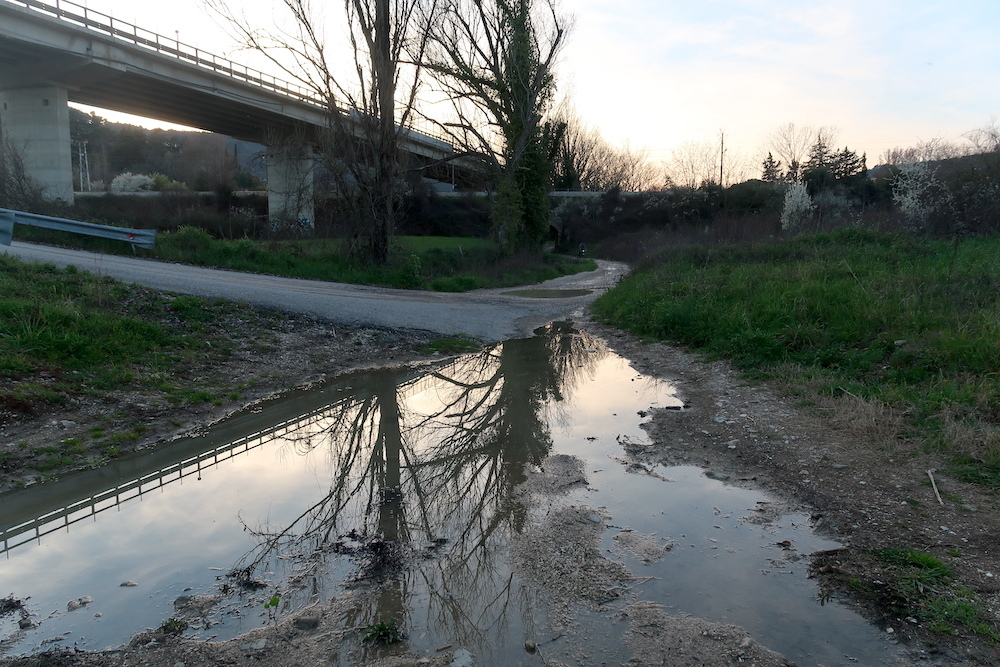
[{"x": 656, "y": 74}]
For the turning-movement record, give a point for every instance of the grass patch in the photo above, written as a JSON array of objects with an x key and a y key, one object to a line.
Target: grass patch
[
  {"x": 174, "y": 626},
  {"x": 448, "y": 264},
  {"x": 970, "y": 469},
  {"x": 451, "y": 345},
  {"x": 910, "y": 323},
  {"x": 66, "y": 335},
  {"x": 919, "y": 585}
]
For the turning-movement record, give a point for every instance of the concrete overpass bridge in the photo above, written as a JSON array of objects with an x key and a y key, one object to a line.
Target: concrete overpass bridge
[{"x": 56, "y": 52}]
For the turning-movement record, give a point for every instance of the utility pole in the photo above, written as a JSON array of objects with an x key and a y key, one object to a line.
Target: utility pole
[{"x": 722, "y": 156}]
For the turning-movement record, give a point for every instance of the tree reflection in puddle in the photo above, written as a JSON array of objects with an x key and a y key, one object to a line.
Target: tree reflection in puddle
[
  {"x": 397, "y": 494},
  {"x": 423, "y": 496}
]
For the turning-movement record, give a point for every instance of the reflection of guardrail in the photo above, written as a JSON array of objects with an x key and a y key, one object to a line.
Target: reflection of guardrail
[
  {"x": 86, "y": 508},
  {"x": 89, "y": 507},
  {"x": 144, "y": 238}
]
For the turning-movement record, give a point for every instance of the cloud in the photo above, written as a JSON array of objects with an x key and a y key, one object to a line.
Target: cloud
[{"x": 660, "y": 74}]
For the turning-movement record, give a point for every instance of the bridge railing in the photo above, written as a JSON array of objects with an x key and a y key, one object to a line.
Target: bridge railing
[
  {"x": 82, "y": 16},
  {"x": 143, "y": 238}
]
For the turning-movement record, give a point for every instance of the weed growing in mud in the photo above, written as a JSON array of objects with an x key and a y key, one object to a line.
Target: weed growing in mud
[
  {"x": 271, "y": 606},
  {"x": 385, "y": 632},
  {"x": 174, "y": 626},
  {"x": 243, "y": 577},
  {"x": 10, "y": 604}
]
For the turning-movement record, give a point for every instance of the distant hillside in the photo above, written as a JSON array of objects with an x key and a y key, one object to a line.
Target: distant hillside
[
  {"x": 199, "y": 160},
  {"x": 950, "y": 167}
]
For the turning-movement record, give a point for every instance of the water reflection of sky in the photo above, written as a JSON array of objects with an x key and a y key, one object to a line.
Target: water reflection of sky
[{"x": 453, "y": 446}]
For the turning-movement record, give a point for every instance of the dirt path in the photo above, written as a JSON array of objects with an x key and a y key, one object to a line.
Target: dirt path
[
  {"x": 489, "y": 315},
  {"x": 839, "y": 461}
]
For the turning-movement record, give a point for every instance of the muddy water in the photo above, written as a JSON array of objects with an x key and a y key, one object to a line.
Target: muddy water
[{"x": 395, "y": 493}]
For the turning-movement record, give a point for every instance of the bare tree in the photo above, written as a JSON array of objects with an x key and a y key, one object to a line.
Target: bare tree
[
  {"x": 791, "y": 145},
  {"x": 628, "y": 169},
  {"x": 580, "y": 151},
  {"x": 693, "y": 164},
  {"x": 985, "y": 139},
  {"x": 584, "y": 160},
  {"x": 369, "y": 101},
  {"x": 923, "y": 151},
  {"x": 494, "y": 60}
]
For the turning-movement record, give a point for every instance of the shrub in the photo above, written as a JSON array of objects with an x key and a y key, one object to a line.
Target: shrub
[
  {"x": 920, "y": 195},
  {"x": 163, "y": 183},
  {"x": 129, "y": 182},
  {"x": 797, "y": 209}
]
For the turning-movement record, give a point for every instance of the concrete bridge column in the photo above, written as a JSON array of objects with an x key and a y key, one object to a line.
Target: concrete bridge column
[
  {"x": 290, "y": 187},
  {"x": 36, "y": 120}
]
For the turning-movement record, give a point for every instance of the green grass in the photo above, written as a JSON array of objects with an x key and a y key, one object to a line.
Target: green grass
[
  {"x": 912, "y": 323},
  {"x": 66, "y": 333},
  {"x": 448, "y": 264},
  {"x": 918, "y": 584},
  {"x": 451, "y": 345}
]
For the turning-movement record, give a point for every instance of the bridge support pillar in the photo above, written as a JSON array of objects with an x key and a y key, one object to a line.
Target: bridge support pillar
[
  {"x": 36, "y": 121},
  {"x": 290, "y": 188}
]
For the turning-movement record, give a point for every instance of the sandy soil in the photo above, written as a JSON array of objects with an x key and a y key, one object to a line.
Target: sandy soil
[{"x": 839, "y": 461}]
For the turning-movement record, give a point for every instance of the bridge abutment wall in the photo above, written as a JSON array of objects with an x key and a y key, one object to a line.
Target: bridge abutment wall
[
  {"x": 36, "y": 121},
  {"x": 291, "y": 186}
]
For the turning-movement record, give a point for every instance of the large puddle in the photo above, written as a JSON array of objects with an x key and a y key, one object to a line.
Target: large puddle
[{"x": 395, "y": 492}]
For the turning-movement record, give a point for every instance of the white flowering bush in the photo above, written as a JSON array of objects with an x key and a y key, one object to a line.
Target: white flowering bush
[
  {"x": 798, "y": 207},
  {"x": 920, "y": 195},
  {"x": 129, "y": 182}
]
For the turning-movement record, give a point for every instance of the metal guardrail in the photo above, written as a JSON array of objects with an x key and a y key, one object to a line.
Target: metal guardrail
[
  {"x": 82, "y": 16},
  {"x": 143, "y": 238}
]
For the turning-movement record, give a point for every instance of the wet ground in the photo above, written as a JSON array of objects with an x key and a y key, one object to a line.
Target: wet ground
[{"x": 413, "y": 493}]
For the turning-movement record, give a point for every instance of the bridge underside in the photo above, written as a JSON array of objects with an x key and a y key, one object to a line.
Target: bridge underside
[{"x": 46, "y": 63}]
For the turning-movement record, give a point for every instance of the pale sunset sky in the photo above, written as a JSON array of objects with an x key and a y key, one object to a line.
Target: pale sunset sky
[{"x": 658, "y": 73}]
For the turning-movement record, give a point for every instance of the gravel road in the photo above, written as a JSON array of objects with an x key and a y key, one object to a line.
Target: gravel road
[{"x": 489, "y": 315}]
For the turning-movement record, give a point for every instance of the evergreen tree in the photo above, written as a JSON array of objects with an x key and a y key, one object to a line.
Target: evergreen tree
[
  {"x": 794, "y": 172},
  {"x": 772, "y": 170},
  {"x": 847, "y": 164},
  {"x": 820, "y": 156}
]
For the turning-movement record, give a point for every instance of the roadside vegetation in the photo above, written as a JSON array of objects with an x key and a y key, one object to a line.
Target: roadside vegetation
[
  {"x": 444, "y": 264},
  {"x": 908, "y": 324},
  {"x": 68, "y": 336},
  {"x": 913, "y": 586}
]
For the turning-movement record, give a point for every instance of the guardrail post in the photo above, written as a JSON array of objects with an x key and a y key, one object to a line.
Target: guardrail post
[{"x": 6, "y": 227}]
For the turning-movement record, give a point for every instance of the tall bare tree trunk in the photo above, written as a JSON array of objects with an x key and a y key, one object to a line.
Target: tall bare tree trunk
[{"x": 387, "y": 157}]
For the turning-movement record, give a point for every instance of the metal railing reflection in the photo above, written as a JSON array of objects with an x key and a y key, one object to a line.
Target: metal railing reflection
[{"x": 88, "y": 508}]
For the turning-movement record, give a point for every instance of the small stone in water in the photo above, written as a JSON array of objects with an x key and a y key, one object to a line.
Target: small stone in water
[
  {"x": 73, "y": 605},
  {"x": 128, "y": 583}
]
